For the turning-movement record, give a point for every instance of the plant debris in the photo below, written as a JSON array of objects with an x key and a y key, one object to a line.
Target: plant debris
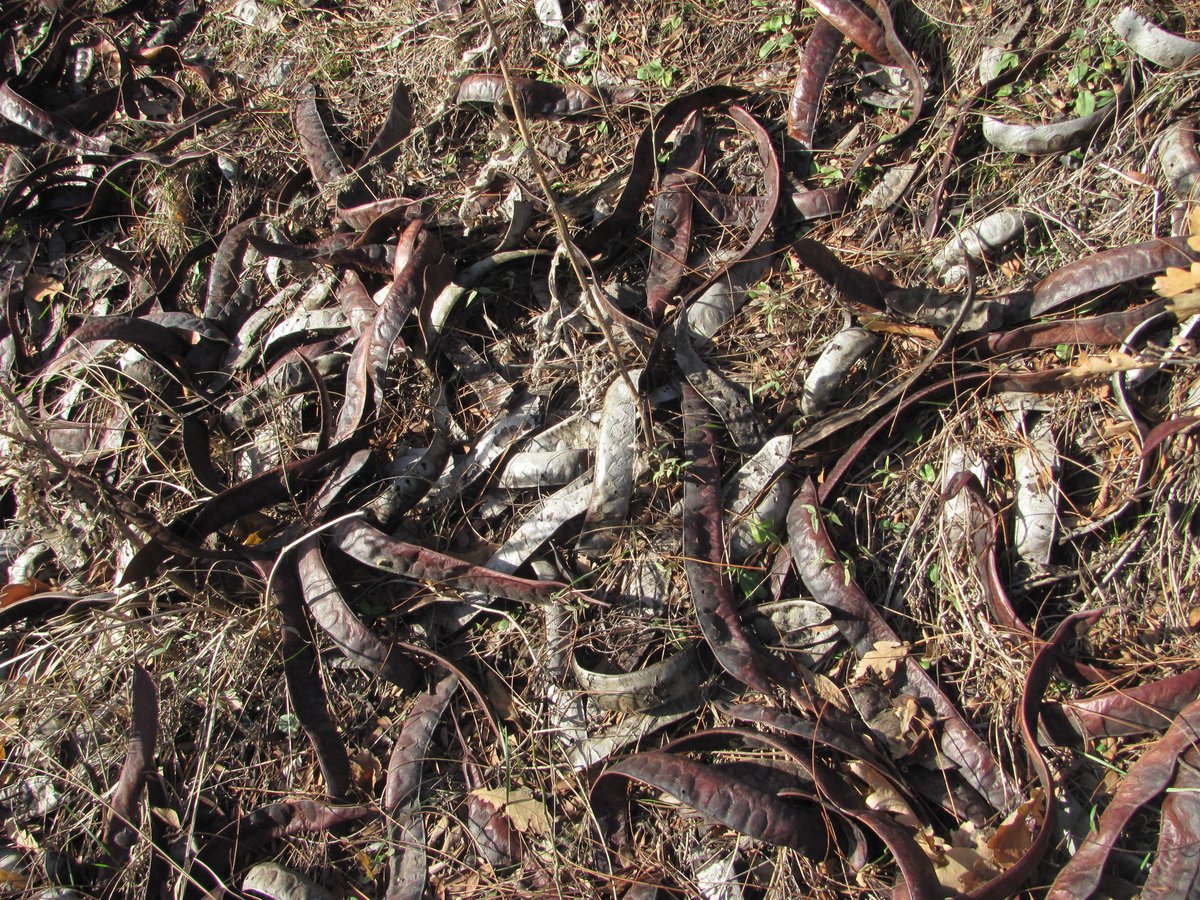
[{"x": 775, "y": 492}]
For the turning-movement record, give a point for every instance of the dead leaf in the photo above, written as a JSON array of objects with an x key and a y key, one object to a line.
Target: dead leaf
[
  {"x": 13, "y": 879},
  {"x": 500, "y": 695},
  {"x": 166, "y": 815},
  {"x": 1014, "y": 835},
  {"x": 959, "y": 867},
  {"x": 879, "y": 663},
  {"x": 365, "y": 770},
  {"x": 1176, "y": 281},
  {"x": 11, "y": 593},
  {"x": 524, "y": 812},
  {"x": 21, "y": 838},
  {"x": 1011, "y": 267},
  {"x": 39, "y": 287},
  {"x": 883, "y": 796},
  {"x": 908, "y": 711}
]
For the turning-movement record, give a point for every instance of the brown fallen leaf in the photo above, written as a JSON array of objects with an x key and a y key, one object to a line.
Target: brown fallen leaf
[
  {"x": 883, "y": 796},
  {"x": 879, "y": 663},
  {"x": 1176, "y": 281},
  {"x": 1014, "y": 836},
  {"x": 39, "y": 287},
  {"x": 19, "y": 590},
  {"x": 523, "y": 811},
  {"x": 365, "y": 770}
]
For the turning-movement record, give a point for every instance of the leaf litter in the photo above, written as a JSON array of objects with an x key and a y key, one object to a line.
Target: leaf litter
[{"x": 655, "y": 445}]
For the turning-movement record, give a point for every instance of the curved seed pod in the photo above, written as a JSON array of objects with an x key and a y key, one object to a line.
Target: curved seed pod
[
  {"x": 396, "y": 127},
  {"x": 1146, "y": 779},
  {"x": 323, "y": 160},
  {"x": 373, "y": 548},
  {"x": 1128, "y": 711},
  {"x": 1037, "y": 680},
  {"x": 820, "y": 51},
  {"x": 537, "y": 98},
  {"x": 1057, "y": 137},
  {"x": 226, "y": 269},
  {"x": 406, "y": 487},
  {"x": 1035, "y": 466},
  {"x": 816, "y": 560},
  {"x": 1106, "y": 329},
  {"x": 757, "y": 498},
  {"x": 335, "y": 617},
  {"x": 275, "y": 882},
  {"x": 977, "y": 241},
  {"x": 47, "y": 126},
  {"x": 1156, "y": 44},
  {"x": 576, "y": 430},
  {"x": 407, "y": 760},
  {"x": 703, "y": 546},
  {"x": 304, "y": 322},
  {"x": 1179, "y": 158},
  {"x": 718, "y": 795},
  {"x": 726, "y": 398},
  {"x": 773, "y": 178},
  {"x": 541, "y": 523},
  {"x": 488, "y": 450},
  {"x": 267, "y": 823},
  {"x": 851, "y": 21},
  {"x": 709, "y": 312},
  {"x": 819, "y": 203},
  {"x": 301, "y": 671},
  {"x": 288, "y": 482},
  {"x": 671, "y": 233},
  {"x": 435, "y": 313},
  {"x": 830, "y": 373},
  {"x": 891, "y": 187},
  {"x": 366, "y": 216},
  {"x": 641, "y": 175},
  {"x": 419, "y": 270},
  {"x": 121, "y": 829},
  {"x": 1106, "y": 269},
  {"x": 543, "y": 468},
  {"x": 616, "y": 454},
  {"x": 644, "y": 690},
  {"x": 289, "y": 376},
  {"x": 850, "y": 284},
  {"x": 356, "y": 303},
  {"x": 400, "y": 794}
]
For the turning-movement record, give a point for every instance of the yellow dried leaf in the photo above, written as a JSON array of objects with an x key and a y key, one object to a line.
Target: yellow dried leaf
[
  {"x": 1014, "y": 835},
  {"x": 1106, "y": 364},
  {"x": 166, "y": 814},
  {"x": 365, "y": 770},
  {"x": 880, "y": 662},
  {"x": 884, "y": 796},
  {"x": 39, "y": 287},
  {"x": 1194, "y": 226},
  {"x": 1176, "y": 281},
  {"x": 1185, "y": 305},
  {"x": 13, "y": 879},
  {"x": 524, "y": 812}
]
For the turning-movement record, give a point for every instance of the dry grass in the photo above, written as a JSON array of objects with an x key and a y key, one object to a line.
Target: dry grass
[{"x": 228, "y": 739}]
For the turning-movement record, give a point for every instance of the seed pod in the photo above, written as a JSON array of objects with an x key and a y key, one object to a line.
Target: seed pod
[{"x": 830, "y": 373}]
